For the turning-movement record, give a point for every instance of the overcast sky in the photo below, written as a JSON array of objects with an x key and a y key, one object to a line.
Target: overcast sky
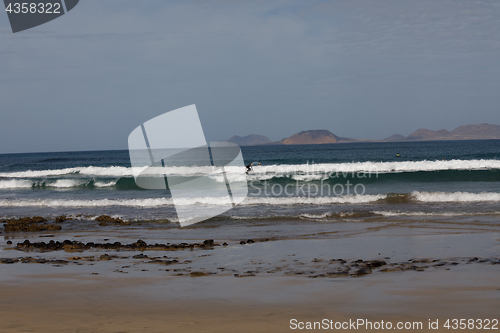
[{"x": 361, "y": 69}]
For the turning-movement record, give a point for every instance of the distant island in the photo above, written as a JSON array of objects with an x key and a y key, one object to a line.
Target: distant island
[
  {"x": 311, "y": 137},
  {"x": 465, "y": 132},
  {"x": 249, "y": 140}
]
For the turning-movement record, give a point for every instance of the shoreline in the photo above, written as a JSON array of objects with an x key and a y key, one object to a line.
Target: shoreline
[
  {"x": 64, "y": 303},
  {"x": 407, "y": 272}
]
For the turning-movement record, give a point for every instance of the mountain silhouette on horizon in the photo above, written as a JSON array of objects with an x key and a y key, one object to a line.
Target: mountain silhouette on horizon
[{"x": 314, "y": 137}]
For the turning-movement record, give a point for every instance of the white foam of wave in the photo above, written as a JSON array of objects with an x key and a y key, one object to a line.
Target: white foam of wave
[
  {"x": 280, "y": 201},
  {"x": 268, "y": 171},
  {"x": 209, "y": 201},
  {"x": 250, "y": 217},
  {"x": 455, "y": 196},
  {"x": 145, "y": 203},
  {"x": 65, "y": 183},
  {"x": 348, "y": 199},
  {"x": 59, "y": 183},
  {"x": 15, "y": 183},
  {"x": 105, "y": 184},
  {"x": 313, "y": 216},
  {"x": 91, "y": 170},
  {"x": 379, "y": 167},
  {"x": 443, "y": 214},
  {"x": 307, "y": 177}
]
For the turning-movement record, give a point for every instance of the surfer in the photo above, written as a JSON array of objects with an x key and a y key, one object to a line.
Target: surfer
[
  {"x": 249, "y": 168},
  {"x": 397, "y": 155}
]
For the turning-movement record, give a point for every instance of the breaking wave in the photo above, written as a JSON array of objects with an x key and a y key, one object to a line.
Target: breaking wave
[
  {"x": 456, "y": 196},
  {"x": 392, "y": 198},
  {"x": 307, "y": 170},
  {"x": 63, "y": 183}
]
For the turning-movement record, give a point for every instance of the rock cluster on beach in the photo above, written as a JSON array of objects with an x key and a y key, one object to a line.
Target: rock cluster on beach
[
  {"x": 140, "y": 245},
  {"x": 360, "y": 267},
  {"x": 35, "y": 223},
  {"x": 334, "y": 268},
  {"x": 289, "y": 265},
  {"x": 105, "y": 220}
]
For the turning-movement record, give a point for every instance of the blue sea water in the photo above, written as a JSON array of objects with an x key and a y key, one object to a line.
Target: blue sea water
[{"x": 322, "y": 182}]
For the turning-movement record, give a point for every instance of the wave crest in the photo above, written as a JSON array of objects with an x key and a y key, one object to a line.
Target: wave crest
[{"x": 301, "y": 171}]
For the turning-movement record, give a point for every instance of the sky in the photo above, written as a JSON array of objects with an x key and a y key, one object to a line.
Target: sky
[{"x": 360, "y": 69}]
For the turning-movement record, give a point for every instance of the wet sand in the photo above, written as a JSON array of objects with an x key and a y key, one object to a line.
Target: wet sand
[
  {"x": 75, "y": 303},
  {"x": 252, "y": 287}
]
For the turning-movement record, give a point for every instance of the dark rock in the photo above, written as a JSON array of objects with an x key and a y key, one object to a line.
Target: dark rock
[
  {"x": 62, "y": 218},
  {"x": 342, "y": 261},
  {"x": 250, "y": 241},
  {"x": 140, "y": 256},
  {"x": 106, "y": 257},
  {"x": 139, "y": 244},
  {"x": 242, "y": 242},
  {"x": 197, "y": 274},
  {"x": 317, "y": 276},
  {"x": 68, "y": 245},
  {"x": 163, "y": 262},
  {"x": 422, "y": 261},
  {"x": 338, "y": 274},
  {"x": 8, "y": 261},
  {"x": 9, "y": 242},
  {"x": 208, "y": 242},
  {"x": 243, "y": 275},
  {"x": 391, "y": 269},
  {"x": 362, "y": 270},
  {"x": 105, "y": 220},
  {"x": 375, "y": 263},
  {"x": 26, "y": 224}
]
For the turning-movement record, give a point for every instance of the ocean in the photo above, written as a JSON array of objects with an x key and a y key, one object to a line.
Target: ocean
[{"x": 301, "y": 185}]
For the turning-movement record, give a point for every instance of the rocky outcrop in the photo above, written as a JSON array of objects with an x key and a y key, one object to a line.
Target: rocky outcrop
[
  {"x": 140, "y": 245},
  {"x": 311, "y": 138},
  {"x": 106, "y": 220},
  {"x": 35, "y": 223}
]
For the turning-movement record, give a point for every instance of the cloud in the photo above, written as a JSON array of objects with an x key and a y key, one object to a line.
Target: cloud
[{"x": 361, "y": 69}]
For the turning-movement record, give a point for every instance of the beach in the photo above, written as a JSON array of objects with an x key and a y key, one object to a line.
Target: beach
[
  {"x": 249, "y": 166},
  {"x": 394, "y": 273},
  {"x": 84, "y": 249}
]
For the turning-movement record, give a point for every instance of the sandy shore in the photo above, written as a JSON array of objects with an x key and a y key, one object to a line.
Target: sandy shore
[
  {"x": 76, "y": 303},
  {"x": 254, "y": 287}
]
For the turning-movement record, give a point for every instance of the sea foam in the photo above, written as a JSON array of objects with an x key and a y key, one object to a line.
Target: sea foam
[
  {"x": 455, "y": 196},
  {"x": 301, "y": 171}
]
